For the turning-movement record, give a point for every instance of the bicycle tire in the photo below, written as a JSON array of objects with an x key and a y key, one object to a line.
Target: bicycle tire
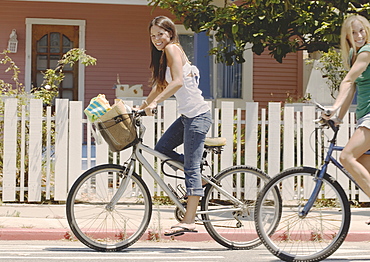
[
  {"x": 234, "y": 229},
  {"x": 313, "y": 237},
  {"x": 99, "y": 227}
]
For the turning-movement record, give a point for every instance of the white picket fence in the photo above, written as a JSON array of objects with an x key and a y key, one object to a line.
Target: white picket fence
[{"x": 35, "y": 168}]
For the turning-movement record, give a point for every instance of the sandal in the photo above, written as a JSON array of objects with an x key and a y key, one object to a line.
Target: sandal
[
  {"x": 179, "y": 230},
  {"x": 367, "y": 222}
]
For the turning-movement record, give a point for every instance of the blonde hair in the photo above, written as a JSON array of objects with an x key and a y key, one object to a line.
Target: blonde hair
[{"x": 347, "y": 42}]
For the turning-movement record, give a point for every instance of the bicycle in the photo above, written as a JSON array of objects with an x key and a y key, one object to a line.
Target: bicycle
[
  {"x": 314, "y": 213},
  {"x": 109, "y": 206}
]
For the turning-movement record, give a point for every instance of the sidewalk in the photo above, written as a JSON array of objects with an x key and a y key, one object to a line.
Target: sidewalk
[{"x": 48, "y": 222}]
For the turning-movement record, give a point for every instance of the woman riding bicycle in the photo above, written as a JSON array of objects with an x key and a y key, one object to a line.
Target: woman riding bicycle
[
  {"x": 172, "y": 74},
  {"x": 355, "y": 45}
]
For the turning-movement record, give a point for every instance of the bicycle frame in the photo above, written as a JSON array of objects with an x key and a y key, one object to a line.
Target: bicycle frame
[
  {"x": 138, "y": 155},
  {"x": 322, "y": 170}
]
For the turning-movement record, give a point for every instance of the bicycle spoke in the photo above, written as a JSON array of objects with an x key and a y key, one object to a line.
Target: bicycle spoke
[
  {"x": 312, "y": 237},
  {"x": 233, "y": 227},
  {"x": 103, "y": 227}
]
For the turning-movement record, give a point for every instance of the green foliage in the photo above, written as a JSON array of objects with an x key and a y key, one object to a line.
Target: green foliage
[
  {"x": 12, "y": 67},
  {"x": 281, "y": 26},
  {"x": 8, "y": 89},
  {"x": 332, "y": 68},
  {"x": 302, "y": 99},
  {"x": 47, "y": 92},
  {"x": 53, "y": 77},
  {"x": 162, "y": 200}
]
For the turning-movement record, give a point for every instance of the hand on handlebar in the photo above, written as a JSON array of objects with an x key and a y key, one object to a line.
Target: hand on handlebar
[
  {"x": 142, "y": 112},
  {"x": 328, "y": 114},
  {"x": 151, "y": 109}
]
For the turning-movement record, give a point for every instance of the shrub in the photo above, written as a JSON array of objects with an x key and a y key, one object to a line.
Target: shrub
[{"x": 47, "y": 92}]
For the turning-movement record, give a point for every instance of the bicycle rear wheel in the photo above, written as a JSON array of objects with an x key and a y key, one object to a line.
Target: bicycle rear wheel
[
  {"x": 231, "y": 223},
  {"x": 99, "y": 226},
  {"x": 313, "y": 237}
]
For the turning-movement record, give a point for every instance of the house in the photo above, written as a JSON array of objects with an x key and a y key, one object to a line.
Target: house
[{"x": 116, "y": 33}]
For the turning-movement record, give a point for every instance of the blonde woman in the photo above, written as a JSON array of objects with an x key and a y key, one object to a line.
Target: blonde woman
[{"x": 355, "y": 45}]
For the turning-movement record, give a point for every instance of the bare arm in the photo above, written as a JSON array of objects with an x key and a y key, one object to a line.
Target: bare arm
[
  {"x": 153, "y": 94},
  {"x": 347, "y": 103},
  {"x": 175, "y": 63},
  {"x": 347, "y": 87}
]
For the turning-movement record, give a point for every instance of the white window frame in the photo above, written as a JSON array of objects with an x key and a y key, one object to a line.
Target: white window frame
[
  {"x": 247, "y": 80},
  {"x": 28, "y": 65}
]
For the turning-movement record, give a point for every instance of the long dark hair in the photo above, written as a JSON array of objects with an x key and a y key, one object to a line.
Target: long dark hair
[{"x": 158, "y": 63}]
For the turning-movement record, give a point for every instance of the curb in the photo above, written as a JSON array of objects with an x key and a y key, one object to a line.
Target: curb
[
  {"x": 34, "y": 234},
  {"x": 358, "y": 236},
  {"x": 65, "y": 234}
]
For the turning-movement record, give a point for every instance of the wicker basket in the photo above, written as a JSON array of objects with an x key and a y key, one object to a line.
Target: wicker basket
[{"x": 117, "y": 127}]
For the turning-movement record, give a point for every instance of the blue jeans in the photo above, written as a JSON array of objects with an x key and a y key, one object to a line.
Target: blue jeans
[{"x": 191, "y": 132}]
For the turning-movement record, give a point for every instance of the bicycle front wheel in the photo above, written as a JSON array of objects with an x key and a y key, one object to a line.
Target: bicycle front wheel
[
  {"x": 230, "y": 220},
  {"x": 95, "y": 221},
  {"x": 309, "y": 238}
]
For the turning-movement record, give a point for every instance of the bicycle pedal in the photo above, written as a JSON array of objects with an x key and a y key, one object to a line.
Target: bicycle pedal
[
  {"x": 182, "y": 190},
  {"x": 173, "y": 191}
]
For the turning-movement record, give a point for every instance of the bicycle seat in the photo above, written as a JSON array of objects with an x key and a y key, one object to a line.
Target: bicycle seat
[{"x": 215, "y": 141}]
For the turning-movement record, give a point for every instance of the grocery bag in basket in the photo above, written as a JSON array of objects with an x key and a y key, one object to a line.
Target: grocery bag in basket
[
  {"x": 98, "y": 106},
  {"x": 117, "y": 127}
]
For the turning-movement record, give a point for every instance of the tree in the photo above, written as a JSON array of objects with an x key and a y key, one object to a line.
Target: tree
[
  {"x": 332, "y": 69},
  {"x": 281, "y": 26}
]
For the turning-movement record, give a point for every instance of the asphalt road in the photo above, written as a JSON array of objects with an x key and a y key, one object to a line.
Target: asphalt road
[{"x": 164, "y": 251}]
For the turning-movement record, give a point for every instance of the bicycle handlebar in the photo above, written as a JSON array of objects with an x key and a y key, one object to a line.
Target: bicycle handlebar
[
  {"x": 324, "y": 122},
  {"x": 322, "y": 108},
  {"x": 142, "y": 112}
]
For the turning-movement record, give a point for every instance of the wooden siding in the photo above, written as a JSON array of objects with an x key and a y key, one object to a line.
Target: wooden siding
[
  {"x": 273, "y": 81},
  {"x": 117, "y": 35}
]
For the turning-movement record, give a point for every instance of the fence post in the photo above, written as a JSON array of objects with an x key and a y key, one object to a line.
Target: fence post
[
  {"x": 35, "y": 151},
  {"x": 75, "y": 141},
  {"x": 10, "y": 149},
  {"x": 288, "y": 142},
  {"x": 308, "y": 128},
  {"x": 308, "y": 151},
  {"x": 227, "y": 131},
  {"x": 274, "y": 131},
  {"x": 61, "y": 149},
  {"x": 251, "y": 133},
  {"x": 251, "y": 147}
]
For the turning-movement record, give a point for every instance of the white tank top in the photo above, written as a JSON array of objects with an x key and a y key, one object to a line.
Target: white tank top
[{"x": 190, "y": 101}]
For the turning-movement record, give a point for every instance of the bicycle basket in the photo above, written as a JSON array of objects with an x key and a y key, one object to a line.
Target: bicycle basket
[{"x": 117, "y": 127}]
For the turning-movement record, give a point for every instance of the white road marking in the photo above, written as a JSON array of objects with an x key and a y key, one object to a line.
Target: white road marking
[{"x": 121, "y": 258}]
